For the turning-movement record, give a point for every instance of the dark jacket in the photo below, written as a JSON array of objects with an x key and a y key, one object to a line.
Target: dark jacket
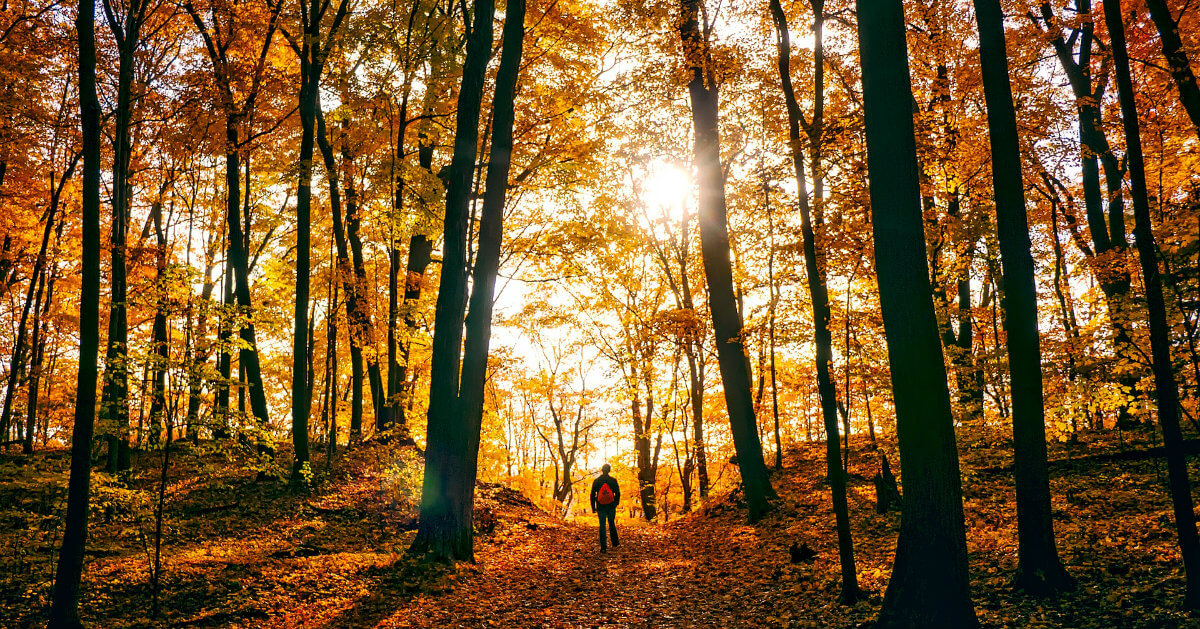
[{"x": 612, "y": 484}]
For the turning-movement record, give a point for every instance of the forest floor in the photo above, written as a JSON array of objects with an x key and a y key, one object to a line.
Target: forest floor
[{"x": 241, "y": 553}]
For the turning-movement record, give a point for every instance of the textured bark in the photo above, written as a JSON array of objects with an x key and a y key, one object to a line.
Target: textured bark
[
  {"x": 714, "y": 250},
  {"x": 1166, "y": 388},
  {"x": 1039, "y": 569},
  {"x": 929, "y": 582}
]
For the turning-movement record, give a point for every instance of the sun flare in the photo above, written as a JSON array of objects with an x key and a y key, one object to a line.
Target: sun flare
[{"x": 666, "y": 189}]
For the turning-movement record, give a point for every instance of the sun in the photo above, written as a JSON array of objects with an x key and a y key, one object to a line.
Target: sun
[{"x": 666, "y": 189}]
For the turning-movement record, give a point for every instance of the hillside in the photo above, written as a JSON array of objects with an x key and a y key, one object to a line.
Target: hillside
[{"x": 242, "y": 553}]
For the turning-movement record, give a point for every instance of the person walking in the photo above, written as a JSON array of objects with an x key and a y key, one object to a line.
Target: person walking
[{"x": 606, "y": 495}]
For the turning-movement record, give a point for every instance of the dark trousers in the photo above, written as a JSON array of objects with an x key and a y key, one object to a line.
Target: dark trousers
[{"x": 609, "y": 515}]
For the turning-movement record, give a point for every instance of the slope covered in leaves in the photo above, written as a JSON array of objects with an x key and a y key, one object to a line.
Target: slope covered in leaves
[{"x": 244, "y": 554}]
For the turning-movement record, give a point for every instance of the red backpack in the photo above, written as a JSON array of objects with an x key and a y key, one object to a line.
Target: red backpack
[{"x": 605, "y": 496}]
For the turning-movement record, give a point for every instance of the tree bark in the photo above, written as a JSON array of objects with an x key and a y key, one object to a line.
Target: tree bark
[
  {"x": 64, "y": 606},
  {"x": 159, "y": 351},
  {"x": 115, "y": 395},
  {"x": 1107, "y": 231},
  {"x": 1039, "y": 570},
  {"x": 348, "y": 279},
  {"x": 310, "y": 85},
  {"x": 445, "y": 530},
  {"x": 714, "y": 248},
  {"x": 1181, "y": 70},
  {"x": 1166, "y": 389},
  {"x": 929, "y": 583},
  {"x": 822, "y": 337}
]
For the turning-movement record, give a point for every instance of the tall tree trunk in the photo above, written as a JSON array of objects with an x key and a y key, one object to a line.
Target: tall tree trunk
[
  {"x": 1107, "y": 231},
  {"x": 693, "y": 349},
  {"x": 1181, "y": 70},
  {"x": 452, "y": 458},
  {"x": 1039, "y": 569},
  {"x": 820, "y": 308},
  {"x": 115, "y": 397},
  {"x": 445, "y": 531},
  {"x": 41, "y": 330},
  {"x": 310, "y": 85},
  {"x": 1166, "y": 390},
  {"x": 929, "y": 583},
  {"x": 420, "y": 255},
  {"x": 64, "y": 605},
  {"x": 34, "y": 293},
  {"x": 159, "y": 352},
  {"x": 771, "y": 338},
  {"x": 714, "y": 247},
  {"x": 646, "y": 472},
  {"x": 348, "y": 279},
  {"x": 363, "y": 328},
  {"x": 238, "y": 280}
]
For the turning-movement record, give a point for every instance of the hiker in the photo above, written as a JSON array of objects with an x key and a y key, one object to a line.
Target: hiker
[{"x": 606, "y": 495}]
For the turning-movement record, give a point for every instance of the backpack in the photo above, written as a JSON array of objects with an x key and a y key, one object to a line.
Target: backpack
[{"x": 605, "y": 496}]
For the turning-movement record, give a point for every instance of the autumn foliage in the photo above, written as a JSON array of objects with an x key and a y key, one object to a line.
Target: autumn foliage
[{"x": 376, "y": 288}]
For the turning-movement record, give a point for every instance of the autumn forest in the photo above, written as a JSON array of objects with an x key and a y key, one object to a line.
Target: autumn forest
[{"x": 327, "y": 313}]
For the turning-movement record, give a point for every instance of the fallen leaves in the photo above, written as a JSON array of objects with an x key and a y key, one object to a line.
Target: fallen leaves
[{"x": 337, "y": 558}]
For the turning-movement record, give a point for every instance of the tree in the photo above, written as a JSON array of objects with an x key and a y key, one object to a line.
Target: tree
[
  {"x": 237, "y": 94},
  {"x": 1038, "y": 567},
  {"x": 64, "y": 606},
  {"x": 1177, "y": 59},
  {"x": 928, "y": 586},
  {"x": 816, "y": 284},
  {"x": 1107, "y": 229},
  {"x": 714, "y": 248},
  {"x": 456, "y": 409},
  {"x": 313, "y": 50},
  {"x": 1166, "y": 390}
]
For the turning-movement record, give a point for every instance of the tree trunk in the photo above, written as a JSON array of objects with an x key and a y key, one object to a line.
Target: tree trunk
[
  {"x": 771, "y": 338},
  {"x": 1181, "y": 70},
  {"x": 445, "y": 530},
  {"x": 34, "y": 294},
  {"x": 310, "y": 85},
  {"x": 362, "y": 327},
  {"x": 714, "y": 247},
  {"x": 160, "y": 355},
  {"x": 115, "y": 397},
  {"x": 349, "y": 284},
  {"x": 1108, "y": 232},
  {"x": 239, "y": 273},
  {"x": 420, "y": 254},
  {"x": 1166, "y": 390},
  {"x": 41, "y": 331},
  {"x": 1039, "y": 570},
  {"x": 929, "y": 583},
  {"x": 646, "y": 474},
  {"x": 820, "y": 308},
  {"x": 64, "y": 606}
]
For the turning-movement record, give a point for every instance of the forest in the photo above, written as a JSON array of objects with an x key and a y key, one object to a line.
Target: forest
[{"x": 327, "y": 313}]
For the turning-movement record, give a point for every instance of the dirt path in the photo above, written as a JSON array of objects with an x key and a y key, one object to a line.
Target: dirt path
[
  {"x": 708, "y": 572},
  {"x": 556, "y": 577}
]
